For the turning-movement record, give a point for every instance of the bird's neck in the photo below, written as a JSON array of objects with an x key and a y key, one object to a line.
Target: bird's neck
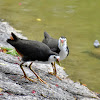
[{"x": 63, "y": 51}]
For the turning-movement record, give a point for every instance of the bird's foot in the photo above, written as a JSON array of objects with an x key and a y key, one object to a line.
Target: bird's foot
[
  {"x": 58, "y": 77},
  {"x": 55, "y": 75},
  {"x": 41, "y": 80},
  {"x": 51, "y": 73},
  {"x": 28, "y": 78}
]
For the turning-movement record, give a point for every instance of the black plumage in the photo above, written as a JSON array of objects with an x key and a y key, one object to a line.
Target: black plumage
[
  {"x": 51, "y": 42},
  {"x": 31, "y": 50}
]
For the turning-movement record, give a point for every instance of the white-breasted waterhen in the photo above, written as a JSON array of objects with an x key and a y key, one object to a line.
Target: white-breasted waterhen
[
  {"x": 34, "y": 51},
  {"x": 58, "y": 46},
  {"x": 96, "y": 44}
]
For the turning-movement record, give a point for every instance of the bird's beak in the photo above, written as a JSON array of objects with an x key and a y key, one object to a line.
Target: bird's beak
[
  {"x": 62, "y": 41},
  {"x": 57, "y": 61}
]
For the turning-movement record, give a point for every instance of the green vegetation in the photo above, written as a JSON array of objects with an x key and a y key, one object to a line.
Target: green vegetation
[{"x": 9, "y": 51}]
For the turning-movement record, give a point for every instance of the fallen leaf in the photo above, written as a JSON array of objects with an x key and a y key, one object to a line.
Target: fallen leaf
[
  {"x": 1, "y": 89},
  {"x": 84, "y": 84},
  {"x": 4, "y": 50},
  {"x": 33, "y": 91},
  {"x": 38, "y": 19},
  {"x": 2, "y": 64},
  {"x": 63, "y": 68},
  {"x": 20, "y": 3},
  {"x": 50, "y": 78},
  {"x": 9, "y": 93},
  {"x": 19, "y": 58},
  {"x": 57, "y": 85},
  {"x": 1, "y": 50},
  {"x": 16, "y": 63}
]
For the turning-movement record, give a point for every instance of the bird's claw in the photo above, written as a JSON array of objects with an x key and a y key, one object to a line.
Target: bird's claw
[
  {"x": 28, "y": 78},
  {"x": 52, "y": 73},
  {"x": 58, "y": 77},
  {"x": 55, "y": 75}
]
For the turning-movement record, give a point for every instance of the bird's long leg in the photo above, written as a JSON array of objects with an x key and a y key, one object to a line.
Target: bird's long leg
[
  {"x": 30, "y": 67},
  {"x": 25, "y": 76},
  {"x": 54, "y": 71}
]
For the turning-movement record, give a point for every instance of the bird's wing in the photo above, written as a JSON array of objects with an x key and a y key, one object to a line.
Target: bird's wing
[{"x": 67, "y": 49}]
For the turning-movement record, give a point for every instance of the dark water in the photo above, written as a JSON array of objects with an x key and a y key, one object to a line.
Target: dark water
[{"x": 78, "y": 20}]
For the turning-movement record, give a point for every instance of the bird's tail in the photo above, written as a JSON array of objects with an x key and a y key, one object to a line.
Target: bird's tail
[
  {"x": 46, "y": 35},
  {"x": 12, "y": 38}
]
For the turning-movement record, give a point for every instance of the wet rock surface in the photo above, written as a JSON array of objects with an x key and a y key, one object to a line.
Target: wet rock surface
[{"x": 13, "y": 87}]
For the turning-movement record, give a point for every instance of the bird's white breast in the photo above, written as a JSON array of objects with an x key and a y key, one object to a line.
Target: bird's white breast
[{"x": 63, "y": 53}]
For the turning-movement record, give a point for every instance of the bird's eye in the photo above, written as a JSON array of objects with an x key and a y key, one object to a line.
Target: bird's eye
[{"x": 54, "y": 57}]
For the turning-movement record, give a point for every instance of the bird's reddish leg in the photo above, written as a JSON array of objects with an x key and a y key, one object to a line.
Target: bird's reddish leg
[
  {"x": 25, "y": 76},
  {"x": 30, "y": 67}
]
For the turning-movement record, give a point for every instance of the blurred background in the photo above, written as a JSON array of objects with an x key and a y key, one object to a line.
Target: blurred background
[{"x": 78, "y": 20}]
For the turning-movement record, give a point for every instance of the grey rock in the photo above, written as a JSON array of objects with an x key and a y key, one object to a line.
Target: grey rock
[{"x": 15, "y": 88}]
